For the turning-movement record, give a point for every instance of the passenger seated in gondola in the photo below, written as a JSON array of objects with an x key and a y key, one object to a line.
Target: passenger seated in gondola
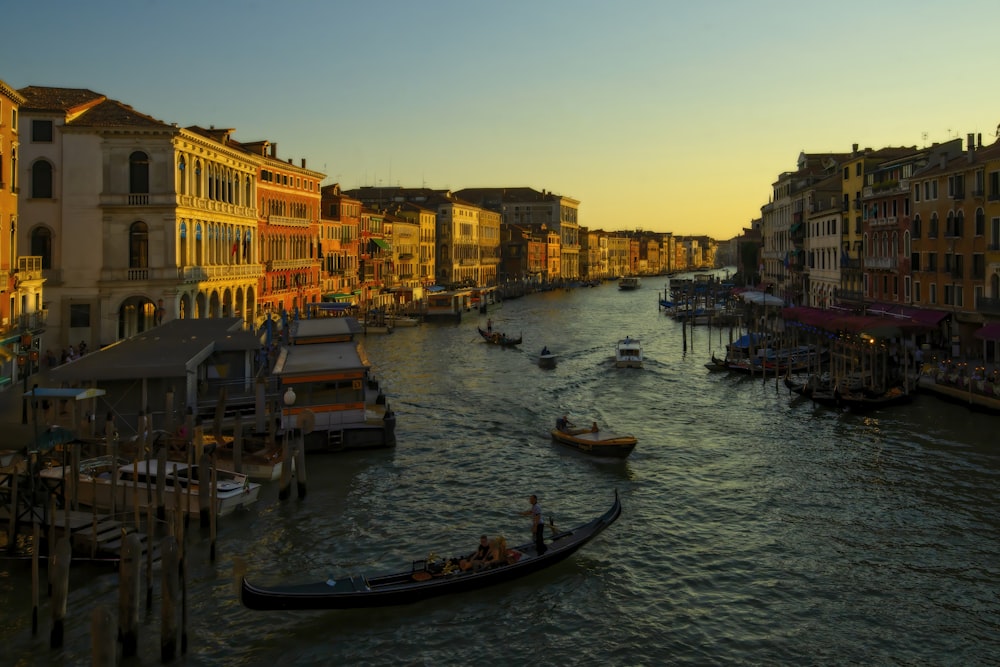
[
  {"x": 545, "y": 350},
  {"x": 477, "y": 559},
  {"x": 593, "y": 428},
  {"x": 498, "y": 553}
]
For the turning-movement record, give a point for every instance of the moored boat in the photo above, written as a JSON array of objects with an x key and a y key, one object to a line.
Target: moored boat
[
  {"x": 595, "y": 442},
  {"x": 104, "y": 481},
  {"x": 628, "y": 353},
  {"x": 425, "y": 578}
]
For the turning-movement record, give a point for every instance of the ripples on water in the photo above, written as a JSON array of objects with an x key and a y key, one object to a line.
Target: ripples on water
[{"x": 757, "y": 528}]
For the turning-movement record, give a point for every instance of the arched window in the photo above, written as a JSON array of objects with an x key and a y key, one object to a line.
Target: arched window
[
  {"x": 138, "y": 173},
  {"x": 138, "y": 246},
  {"x": 181, "y": 175},
  {"x": 183, "y": 249},
  {"x": 41, "y": 180},
  {"x": 197, "y": 178},
  {"x": 41, "y": 245}
]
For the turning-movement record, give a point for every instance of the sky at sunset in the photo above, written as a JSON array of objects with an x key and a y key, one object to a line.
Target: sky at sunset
[{"x": 655, "y": 114}]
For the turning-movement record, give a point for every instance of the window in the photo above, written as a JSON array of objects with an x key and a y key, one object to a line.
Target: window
[
  {"x": 41, "y": 131},
  {"x": 933, "y": 294},
  {"x": 917, "y": 227},
  {"x": 138, "y": 173},
  {"x": 915, "y": 261},
  {"x": 138, "y": 246},
  {"x": 41, "y": 180},
  {"x": 41, "y": 245},
  {"x": 916, "y": 192},
  {"x": 932, "y": 261},
  {"x": 978, "y": 266},
  {"x": 980, "y": 222},
  {"x": 916, "y": 292},
  {"x": 79, "y": 315}
]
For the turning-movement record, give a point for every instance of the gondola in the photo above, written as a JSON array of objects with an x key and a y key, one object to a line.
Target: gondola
[
  {"x": 855, "y": 401},
  {"x": 425, "y": 579},
  {"x": 595, "y": 443},
  {"x": 497, "y": 338}
]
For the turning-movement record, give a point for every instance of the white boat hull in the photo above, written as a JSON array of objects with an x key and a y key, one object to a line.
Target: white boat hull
[{"x": 134, "y": 485}]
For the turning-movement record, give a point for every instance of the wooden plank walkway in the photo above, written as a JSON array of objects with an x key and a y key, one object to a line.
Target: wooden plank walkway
[{"x": 91, "y": 536}]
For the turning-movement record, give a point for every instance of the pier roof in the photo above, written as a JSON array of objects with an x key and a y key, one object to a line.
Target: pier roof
[{"x": 169, "y": 350}]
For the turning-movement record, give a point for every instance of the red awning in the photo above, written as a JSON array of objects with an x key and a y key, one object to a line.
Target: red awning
[
  {"x": 989, "y": 331},
  {"x": 835, "y": 321},
  {"x": 929, "y": 317}
]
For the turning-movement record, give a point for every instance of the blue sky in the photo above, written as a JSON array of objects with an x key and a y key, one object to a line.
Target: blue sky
[{"x": 657, "y": 114}]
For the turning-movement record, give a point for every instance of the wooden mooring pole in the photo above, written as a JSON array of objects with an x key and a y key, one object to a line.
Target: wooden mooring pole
[
  {"x": 128, "y": 594},
  {"x": 169, "y": 563},
  {"x": 59, "y": 570}
]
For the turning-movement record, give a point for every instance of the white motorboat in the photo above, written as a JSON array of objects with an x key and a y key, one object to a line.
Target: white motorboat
[
  {"x": 628, "y": 353},
  {"x": 130, "y": 483}
]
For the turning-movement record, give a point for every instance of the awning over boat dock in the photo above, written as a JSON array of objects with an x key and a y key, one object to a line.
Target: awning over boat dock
[{"x": 989, "y": 331}]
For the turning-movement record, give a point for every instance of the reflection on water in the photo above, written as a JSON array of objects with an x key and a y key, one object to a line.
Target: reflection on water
[{"x": 756, "y": 528}]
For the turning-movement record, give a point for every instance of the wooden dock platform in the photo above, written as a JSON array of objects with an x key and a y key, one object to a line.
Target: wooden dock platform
[{"x": 93, "y": 536}]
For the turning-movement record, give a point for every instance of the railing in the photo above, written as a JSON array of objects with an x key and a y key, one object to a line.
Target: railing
[
  {"x": 287, "y": 221},
  {"x": 35, "y": 320},
  {"x": 880, "y": 262},
  {"x": 882, "y": 222}
]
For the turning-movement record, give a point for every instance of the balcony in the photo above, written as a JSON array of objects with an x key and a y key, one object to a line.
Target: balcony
[
  {"x": 883, "y": 222},
  {"x": 881, "y": 263},
  {"x": 286, "y": 221}
]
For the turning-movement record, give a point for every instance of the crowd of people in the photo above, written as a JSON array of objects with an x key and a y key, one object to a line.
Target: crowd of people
[{"x": 71, "y": 353}]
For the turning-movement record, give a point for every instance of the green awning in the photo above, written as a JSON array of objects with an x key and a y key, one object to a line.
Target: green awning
[{"x": 381, "y": 244}]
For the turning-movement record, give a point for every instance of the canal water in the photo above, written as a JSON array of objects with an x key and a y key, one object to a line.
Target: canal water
[{"x": 756, "y": 527}]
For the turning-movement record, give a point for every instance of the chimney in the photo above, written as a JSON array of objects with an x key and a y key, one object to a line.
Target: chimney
[
  {"x": 979, "y": 140},
  {"x": 274, "y": 150},
  {"x": 854, "y": 149},
  {"x": 970, "y": 146},
  {"x": 303, "y": 163}
]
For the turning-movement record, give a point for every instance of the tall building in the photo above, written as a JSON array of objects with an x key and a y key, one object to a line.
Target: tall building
[
  {"x": 527, "y": 206},
  {"x": 137, "y": 220},
  {"x": 22, "y": 313}
]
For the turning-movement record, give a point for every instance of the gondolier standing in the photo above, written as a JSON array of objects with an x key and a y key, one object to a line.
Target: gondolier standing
[{"x": 537, "y": 526}]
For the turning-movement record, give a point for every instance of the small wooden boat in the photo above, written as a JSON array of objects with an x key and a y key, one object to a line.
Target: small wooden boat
[
  {"x": 628, "y": 353},
  {"x": 595, "y": 443},
  {"x": 546, "y": 359},
  {"x": 424, "y": 579},
  {"x": 497, "y": 338}
]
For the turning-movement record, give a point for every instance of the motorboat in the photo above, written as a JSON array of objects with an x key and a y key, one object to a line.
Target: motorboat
[
  {"x": 628, "y": 353},
  {"x": 595, "y": 442},
  {"x": 108, "y": 480}
]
